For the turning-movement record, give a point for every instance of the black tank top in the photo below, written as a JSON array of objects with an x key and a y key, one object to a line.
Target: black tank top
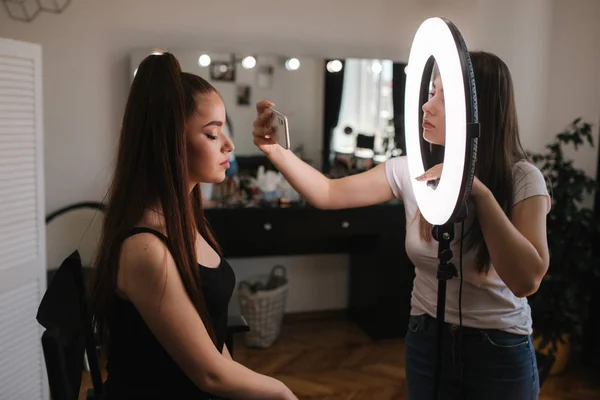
[{"x": 137, "y": 364}]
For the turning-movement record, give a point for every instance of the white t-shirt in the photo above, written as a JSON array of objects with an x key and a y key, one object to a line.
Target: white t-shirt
[{"x": 487, "y": 303}]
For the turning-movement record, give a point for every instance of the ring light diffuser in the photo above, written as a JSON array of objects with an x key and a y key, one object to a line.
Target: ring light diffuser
[{"x": 440, "y": 39}]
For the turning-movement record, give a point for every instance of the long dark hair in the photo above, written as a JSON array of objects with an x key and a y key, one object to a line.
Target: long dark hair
[
  {"x": 499, "y": 147},
  {"x": 151, "y": 170}
]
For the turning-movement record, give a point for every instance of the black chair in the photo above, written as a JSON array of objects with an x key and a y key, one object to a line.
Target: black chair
[
  {"x": 235, "y": 324},
  {"x": 69, "y": 333}
]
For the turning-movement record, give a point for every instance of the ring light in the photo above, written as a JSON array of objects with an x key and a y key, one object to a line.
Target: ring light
[{"x": 440, "y": 39}]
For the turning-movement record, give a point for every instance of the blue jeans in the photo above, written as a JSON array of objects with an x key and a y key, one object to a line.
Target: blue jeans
[{"x": 489, "y": 365}]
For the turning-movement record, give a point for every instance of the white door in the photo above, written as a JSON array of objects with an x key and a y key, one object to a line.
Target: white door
[{"x": 22, "y": 227}]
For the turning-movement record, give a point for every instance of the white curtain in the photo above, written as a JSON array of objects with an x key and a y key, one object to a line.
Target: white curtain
[{"x": 364, "y": 102}]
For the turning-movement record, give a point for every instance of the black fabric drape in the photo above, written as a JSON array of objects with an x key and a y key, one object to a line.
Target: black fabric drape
[
  {"x": 333, "y": 88},
  {"x": 398, "y": 89}
]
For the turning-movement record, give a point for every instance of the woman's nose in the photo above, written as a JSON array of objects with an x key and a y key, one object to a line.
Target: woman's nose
[
  {"x": 427, "y": 107},
  {"x": 228, "y": 146}
]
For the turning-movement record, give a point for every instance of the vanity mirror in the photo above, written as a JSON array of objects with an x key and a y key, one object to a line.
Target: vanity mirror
[{"x": 344, "y": 115}]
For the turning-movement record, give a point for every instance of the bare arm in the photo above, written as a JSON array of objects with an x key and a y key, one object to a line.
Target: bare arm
[
  {"x": 518, "y": 249},
  {"x": 149, "y": 279},
  {"x": 367, "y": 188},
  {"x": 364, "y": 189}
]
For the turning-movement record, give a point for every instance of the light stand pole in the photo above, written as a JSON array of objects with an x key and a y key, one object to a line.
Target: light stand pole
[{"x": 444, "y": 234}]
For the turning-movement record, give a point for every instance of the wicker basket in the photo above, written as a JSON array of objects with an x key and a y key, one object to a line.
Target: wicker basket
[{"x": 262, "y": 302}]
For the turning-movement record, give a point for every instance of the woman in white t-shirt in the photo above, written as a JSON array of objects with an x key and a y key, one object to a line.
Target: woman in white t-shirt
[{"x": 505, "y": 252}]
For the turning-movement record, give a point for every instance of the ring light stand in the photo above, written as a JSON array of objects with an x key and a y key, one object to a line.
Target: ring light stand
[{"x": 442, "y": 203}]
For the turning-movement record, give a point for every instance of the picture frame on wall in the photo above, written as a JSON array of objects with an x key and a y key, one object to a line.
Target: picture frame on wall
[
  {"x": 243, "y": 94},
  {"x": 264, "y": 76},
  {"x": 223, "y": 71}
]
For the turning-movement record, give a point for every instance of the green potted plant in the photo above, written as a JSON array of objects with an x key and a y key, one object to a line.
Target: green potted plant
[{"x": 560, "y": 306}]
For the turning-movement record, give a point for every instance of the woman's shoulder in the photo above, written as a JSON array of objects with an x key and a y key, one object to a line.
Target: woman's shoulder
[
  {"x": 526, "y": 173},
  {"x": 396, "y": 171},
  {"x": 529, "y": 181},
  {"x": 398, "y": 160},
  {"x": 144, "y": 258},
  {"x": 143, "y": 242},
  {"x": 397, "y": 166},
  {"x": 524, "y": 167}
]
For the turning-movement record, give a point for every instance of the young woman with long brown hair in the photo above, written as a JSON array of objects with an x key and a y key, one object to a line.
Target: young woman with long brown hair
[
  {"x": 161, "y": 287},
  {"x": 506, "y": 250}
]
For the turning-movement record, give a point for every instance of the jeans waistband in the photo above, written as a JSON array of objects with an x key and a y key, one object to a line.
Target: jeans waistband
[{"x": 466, "y": 330}]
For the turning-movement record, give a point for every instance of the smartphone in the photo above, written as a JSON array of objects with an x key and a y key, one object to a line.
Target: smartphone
[{"x": 282, "y": 132}]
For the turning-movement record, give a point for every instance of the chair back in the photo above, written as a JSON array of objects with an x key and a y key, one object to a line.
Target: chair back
[
  {"x": 76, "y": 226},
  {"x": 69, "y": 333}
]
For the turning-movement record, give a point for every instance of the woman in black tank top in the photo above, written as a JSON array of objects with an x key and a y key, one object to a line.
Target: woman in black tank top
[
  {"x": 136, "y": 358},
  {"x": 161, "y": 288}
]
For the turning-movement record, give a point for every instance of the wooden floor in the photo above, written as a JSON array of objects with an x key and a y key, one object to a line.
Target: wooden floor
[{"x": 332, "y": 359}]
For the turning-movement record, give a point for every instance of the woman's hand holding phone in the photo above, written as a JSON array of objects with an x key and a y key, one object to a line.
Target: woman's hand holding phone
[{"x": 264, "y": 132}]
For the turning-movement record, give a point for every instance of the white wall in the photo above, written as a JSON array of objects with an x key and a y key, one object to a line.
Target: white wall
[
  {"x": 574, "y": 84},
  {"x": 525, "y": 46},
  {"x": 86, "y": 73},
  {"x": 316, "y": 282},
  {"x": 552, "y": 50}
]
